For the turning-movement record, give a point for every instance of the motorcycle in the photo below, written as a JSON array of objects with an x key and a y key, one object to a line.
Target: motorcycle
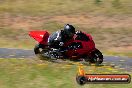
[{"x": 80, "y": 48}]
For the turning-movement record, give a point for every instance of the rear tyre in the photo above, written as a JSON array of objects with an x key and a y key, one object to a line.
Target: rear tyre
[
  {"x": 38, "y": 49},
  {"x": 42, "y": 52}
]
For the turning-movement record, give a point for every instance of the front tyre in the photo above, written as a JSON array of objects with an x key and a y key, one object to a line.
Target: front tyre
[{"x": 98, "y": 57}]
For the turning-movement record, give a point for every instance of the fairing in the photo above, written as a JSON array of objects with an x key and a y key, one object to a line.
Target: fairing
[{"x": 40, "y": 36}]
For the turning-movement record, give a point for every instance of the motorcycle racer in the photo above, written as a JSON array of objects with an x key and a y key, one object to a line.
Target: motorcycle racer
[{"x": 57, "y": 39}]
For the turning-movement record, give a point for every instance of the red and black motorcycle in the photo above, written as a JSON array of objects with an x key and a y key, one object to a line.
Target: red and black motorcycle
[{"x": 78, "y": 48}]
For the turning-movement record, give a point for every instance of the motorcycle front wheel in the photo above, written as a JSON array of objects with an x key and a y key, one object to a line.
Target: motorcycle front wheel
[{"x": 98, "y": 58}]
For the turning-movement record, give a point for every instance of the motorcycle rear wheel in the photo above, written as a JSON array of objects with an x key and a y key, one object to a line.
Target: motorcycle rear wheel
[
  {"x": 38, "y": 49},
  {"x": 43, "y": 52}
]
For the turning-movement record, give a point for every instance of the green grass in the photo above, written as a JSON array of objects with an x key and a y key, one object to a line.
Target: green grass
[
  {"x": 60, "y": 7},
  {"x": 17, "y": 43},
  {"x": 29, "y": 73},
  {"x": 113, "y": 53}
]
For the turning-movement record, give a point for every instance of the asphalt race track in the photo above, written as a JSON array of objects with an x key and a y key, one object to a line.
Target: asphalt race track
[
  {"x": 16, "y": 53},
  {"x": 123, "y": 63}
]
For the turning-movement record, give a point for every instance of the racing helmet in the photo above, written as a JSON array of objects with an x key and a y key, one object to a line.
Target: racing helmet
[{"x": 69, "y": 30}]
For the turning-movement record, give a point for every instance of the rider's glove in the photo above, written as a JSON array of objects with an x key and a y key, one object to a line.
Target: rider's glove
[
  {"x": 61, "y": 44},
  {"x": 78, "y": 32}
]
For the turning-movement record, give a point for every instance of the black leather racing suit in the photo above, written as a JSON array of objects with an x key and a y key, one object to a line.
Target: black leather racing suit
[{"x": 57, "y": 39}]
